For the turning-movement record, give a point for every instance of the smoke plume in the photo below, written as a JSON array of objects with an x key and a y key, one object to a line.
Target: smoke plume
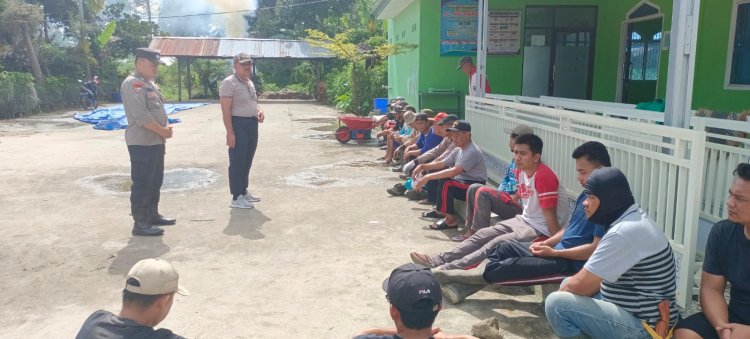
[{"x": 231, "y": 25}]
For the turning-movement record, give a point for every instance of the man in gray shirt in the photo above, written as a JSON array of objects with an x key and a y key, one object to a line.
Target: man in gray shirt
[
  {"x": 462, "y": 168},
  {"x": 148, "y": 129},
  {"x": 241, "y": 114}
]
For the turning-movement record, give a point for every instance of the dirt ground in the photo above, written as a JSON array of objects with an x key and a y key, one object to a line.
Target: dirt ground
[{"x": 307, "y": 262}]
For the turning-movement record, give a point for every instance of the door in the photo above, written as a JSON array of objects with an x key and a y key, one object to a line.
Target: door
[
  {"x": 640, "y": 74},
  {"x": 559, "y": 51},
  {"x": 572, "y": 65}
]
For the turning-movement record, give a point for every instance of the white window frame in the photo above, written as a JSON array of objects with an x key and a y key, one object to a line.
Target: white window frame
[{"x": 730, "y": 50}]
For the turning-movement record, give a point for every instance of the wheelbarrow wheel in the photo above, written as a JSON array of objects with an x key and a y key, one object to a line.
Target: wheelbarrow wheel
[{"x": 343, "y": 134}]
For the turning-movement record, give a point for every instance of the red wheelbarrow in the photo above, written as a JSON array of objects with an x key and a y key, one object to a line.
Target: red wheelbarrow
[{"x": 356, "y": 127}]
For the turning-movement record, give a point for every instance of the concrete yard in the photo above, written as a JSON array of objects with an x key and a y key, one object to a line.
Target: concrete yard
[{"x": 307, "y": 262}]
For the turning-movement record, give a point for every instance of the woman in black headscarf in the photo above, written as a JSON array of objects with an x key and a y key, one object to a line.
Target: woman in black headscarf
[{"x": 627, "y": 287}]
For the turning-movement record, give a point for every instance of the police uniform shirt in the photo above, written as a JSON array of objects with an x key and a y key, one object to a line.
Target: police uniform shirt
[
  {"x": 143, "y": 105},
  {"x": 243, "y": 95}
]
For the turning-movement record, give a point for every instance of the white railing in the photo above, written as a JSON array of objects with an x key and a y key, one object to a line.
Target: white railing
[
  {"x": 727, "y": 143},
  {"x": 725, "y": 149},
  {"x": 663, "y": 164}
]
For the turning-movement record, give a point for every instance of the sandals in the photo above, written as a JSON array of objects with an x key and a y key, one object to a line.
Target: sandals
[
  {"x": 432, "y": 214},
  {"x": 442, "y": 225},
  {"x": 459, "y": 238}
]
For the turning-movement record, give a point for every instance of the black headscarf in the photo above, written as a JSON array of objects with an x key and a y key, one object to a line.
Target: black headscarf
[{"x": 611, "y": 186}]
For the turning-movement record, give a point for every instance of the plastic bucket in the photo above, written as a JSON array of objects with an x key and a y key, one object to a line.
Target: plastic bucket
[{"x": 380, "y": 105}]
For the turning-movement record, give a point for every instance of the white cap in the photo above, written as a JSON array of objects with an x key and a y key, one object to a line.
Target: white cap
[{"x": 154, "y": 277}]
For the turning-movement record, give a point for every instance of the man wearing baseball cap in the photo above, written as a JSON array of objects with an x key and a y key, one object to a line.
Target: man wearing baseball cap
[
  {"x": 482, "y": 200},
  {"x": 466, "y": 64},
  {"x": 415, "y": 300},
  {"x": 146, "y": 301},
  {"x": 241, "y": 114},
  {"x": 437, "y": 154},
  {"x": 464, "y": 167}
]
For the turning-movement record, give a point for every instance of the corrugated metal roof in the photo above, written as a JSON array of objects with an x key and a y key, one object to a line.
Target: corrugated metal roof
[{"x": 228, "y": 47}]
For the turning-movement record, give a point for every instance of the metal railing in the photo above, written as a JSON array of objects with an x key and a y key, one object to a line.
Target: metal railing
[
  {"x": 663, "y": 164},
  {"x": 726, "y": 147}
]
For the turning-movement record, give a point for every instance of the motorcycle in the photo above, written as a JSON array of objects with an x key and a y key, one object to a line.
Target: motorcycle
[{"x": 88, "y": 94}]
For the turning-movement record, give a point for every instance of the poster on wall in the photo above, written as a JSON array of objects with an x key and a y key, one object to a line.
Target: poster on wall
[
  {"x": 504, "y": 33},
  {"x": 459, "y": 26}
]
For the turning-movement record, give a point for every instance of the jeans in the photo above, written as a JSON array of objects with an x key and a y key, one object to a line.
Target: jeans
[
  {"x": 513, "y": 261},
  {"x": 147, "y": 174},
  {"x": 575, "y": 316},
  {"x": 242, "y": 154}
]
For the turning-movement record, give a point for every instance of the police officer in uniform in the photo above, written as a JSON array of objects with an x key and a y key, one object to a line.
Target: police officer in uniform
[{"x": 148, "y": 129}]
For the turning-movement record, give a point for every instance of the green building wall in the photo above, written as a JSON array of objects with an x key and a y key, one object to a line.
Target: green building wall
[
  {"x": 424, "y": 68},
  {"x": 711, "y": 61}
]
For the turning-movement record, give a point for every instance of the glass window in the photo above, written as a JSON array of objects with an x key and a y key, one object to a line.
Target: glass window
[
  {"x": 740, "y": 72},
  {"x": 579, "y": 17},
  {"x": 539, "y": 17}
]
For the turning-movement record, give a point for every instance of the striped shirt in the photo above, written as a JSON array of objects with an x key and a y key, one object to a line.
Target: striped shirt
[{"x": 637, "y": 266}]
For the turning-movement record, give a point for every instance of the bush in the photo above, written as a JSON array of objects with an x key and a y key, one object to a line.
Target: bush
[
  {"x": 302, "y": 88},
  {"x": 57, "y": 93},
  {"x": 17, "y": 94}
]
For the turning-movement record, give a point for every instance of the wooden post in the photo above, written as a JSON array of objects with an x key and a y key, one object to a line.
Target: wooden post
[
  {"x": 179, "y": 80},
  {"x": 188, "y": 81}
]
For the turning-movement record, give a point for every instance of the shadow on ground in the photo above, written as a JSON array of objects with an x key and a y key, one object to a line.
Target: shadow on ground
[
  {"x": 247, "y": 223},
  {"x": 138, "y": 248}
]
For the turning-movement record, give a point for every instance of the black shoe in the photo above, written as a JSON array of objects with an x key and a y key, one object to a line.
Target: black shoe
[
  {"x": 432, "y": 215},
  {"x": 416, "y": 195},
  {"x": 146, "y": 230},
  {"x": 397, "y": 191},
  {"x": 397, "y": 169},
  {"x": 402, "y": 176},
  {"x": 162, "y": 221}
]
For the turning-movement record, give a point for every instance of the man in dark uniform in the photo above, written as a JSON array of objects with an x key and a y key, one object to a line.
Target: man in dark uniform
[{"x": 148, "y": 129}]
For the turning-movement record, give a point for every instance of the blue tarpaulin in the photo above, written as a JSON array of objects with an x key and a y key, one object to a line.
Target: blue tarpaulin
[{"x": 113, "y": 117}]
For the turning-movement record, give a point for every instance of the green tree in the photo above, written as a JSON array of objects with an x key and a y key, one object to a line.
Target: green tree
[
  {"x": 21, "y": 21},
  {"x": 342, "y": 46},
  {"x": 131, "y": 32}
]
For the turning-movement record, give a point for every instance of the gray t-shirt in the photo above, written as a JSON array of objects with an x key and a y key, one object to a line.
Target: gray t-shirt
[
  {"x": 143, "y": 104},
  {"x": 103, "y": 324},
  {"x": 243, "y": 95},
  {"x": 471, "y": 160},
  {"x": 637, "y": 265}
]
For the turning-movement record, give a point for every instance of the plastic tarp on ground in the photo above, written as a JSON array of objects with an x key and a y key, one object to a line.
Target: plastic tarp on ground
[{"x": 113, "y": 117}]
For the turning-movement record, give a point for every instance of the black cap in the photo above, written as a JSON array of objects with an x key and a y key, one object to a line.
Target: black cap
[
  {"x": 398, "y": 109},
  {"x": 460, "y": 126},
  {"x": 464, "y": 60},
  {"x": 447, "y": 120},
  {"x": 409, "y": 284},
  {"x": 422, "y": 117},
  {"x": 149, "y": 54}
]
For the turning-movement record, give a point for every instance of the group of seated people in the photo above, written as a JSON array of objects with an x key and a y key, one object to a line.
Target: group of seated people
[{"x": 618, "y": 267}]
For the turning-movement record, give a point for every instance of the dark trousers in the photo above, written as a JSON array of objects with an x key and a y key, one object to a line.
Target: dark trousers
[
  {"x": 512, "y": 260},
  {"x": 450, "y": 189},
  {"x": 241, "y": 156},
  {"x": 147, "y": 173}
]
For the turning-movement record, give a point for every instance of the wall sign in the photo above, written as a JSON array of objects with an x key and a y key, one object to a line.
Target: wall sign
[{"x": 459, "y": 26}]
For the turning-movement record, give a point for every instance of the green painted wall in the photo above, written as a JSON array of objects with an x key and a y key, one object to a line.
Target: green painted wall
[
  {"x": 505, "y": 72},
  {"x": 403, "y": 69},
  {"x": 711, "y": 61}
]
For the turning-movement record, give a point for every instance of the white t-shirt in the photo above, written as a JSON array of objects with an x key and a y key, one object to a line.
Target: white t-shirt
[{"x": 542, "y": 190}]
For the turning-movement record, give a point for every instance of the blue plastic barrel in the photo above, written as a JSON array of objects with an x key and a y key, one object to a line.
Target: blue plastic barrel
[{"x": 381, "y": 105}]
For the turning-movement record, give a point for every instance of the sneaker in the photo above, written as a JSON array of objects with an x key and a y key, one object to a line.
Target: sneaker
[
  {"x": 240, "y": 202},
  {"x": 250, "y": 197}
]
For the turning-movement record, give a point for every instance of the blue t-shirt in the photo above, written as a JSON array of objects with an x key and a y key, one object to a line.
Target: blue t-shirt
[
  {"x": 728, "y": 255},
  {"x": 405, "y": 130},
  {"x": 579, "y": 231},
  {"x": 428, "y": 141},
  {"x": 510, "y": 181}
]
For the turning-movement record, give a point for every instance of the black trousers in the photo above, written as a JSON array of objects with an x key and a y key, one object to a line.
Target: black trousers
[
  {"x": 147, "y": 173},
  {"x": 512, "y": 260},
  {"x": 449, "y": 189},
  {"x": 241, "y": 156}
]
